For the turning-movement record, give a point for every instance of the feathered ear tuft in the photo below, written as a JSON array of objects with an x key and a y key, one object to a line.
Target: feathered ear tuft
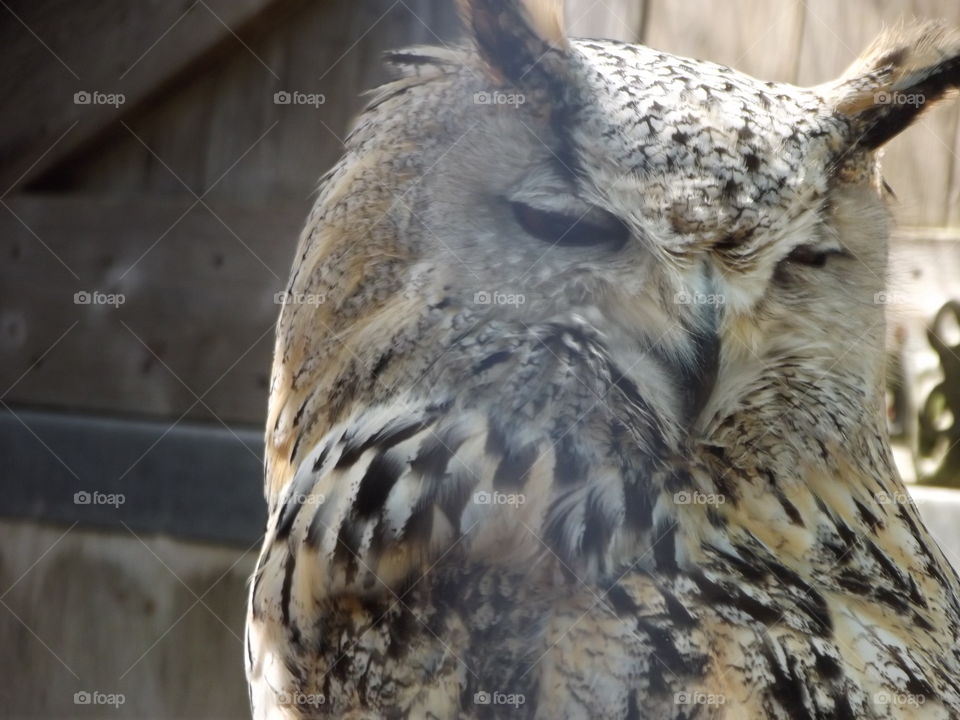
[
  {"x": 517, "y": 38},
  {"x": 906, "y": 70}
]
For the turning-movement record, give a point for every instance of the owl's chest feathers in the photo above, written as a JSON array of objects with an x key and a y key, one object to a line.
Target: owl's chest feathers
[{"x": 549, "y": 481}]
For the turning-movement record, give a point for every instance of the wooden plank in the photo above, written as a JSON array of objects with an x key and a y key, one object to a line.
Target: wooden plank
[
  {"x": 148, "y": 48},
  {"x": 331, "y": 49},
  {"x": 152, "y": 476},
  {"x": 919, "y": 164},
  {"x": 953, "y": 193},
  {"x": 100, "y": 612},
  {"x": 195, "y": 298},
  {"x": 759, "y": 37},
  {"x": 611, "y": 20}
]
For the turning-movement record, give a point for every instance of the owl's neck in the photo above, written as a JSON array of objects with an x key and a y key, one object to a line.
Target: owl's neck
[
  {"x": 819, "y": 492},
  {"x": 798, "y": 452}
]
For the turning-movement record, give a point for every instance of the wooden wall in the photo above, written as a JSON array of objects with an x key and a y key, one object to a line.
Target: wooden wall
[
  {"x": 157, "y": 620},
  {"x": 187, "y": 199}
]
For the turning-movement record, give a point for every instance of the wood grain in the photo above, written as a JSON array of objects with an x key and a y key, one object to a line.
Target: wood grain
[
  {"x": 196, "y": 300},
  {"x": 55, "y": 54},
  {"x": 953, "y": 191},
  {"x": 611, "y": 19},
  {"x": 100, "y": 612},
  {"x": 759, "y": 37},
  {"x": 219, "y": 114}
]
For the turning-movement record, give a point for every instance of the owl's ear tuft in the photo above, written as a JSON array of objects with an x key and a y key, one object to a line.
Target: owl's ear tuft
[
  {"x": 520, "y": 40},
  {"x": 906, "y": 70}
]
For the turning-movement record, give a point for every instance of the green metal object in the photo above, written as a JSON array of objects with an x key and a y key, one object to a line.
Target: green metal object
[{"x": 939, "y": 421}]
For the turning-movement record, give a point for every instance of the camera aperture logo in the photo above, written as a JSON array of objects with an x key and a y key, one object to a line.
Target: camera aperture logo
[
  {"x": 496, "y": 97},
  {"x": 85, "y": 497},
  {"x": 482, "y": 697},
  {"x": 498, "y": 298},
  {"x": 295, "y": 97},
  {"x": 95, "y": 97},
  {"x": 95, "y": 297},
  {"x": 95, "y": 697}
]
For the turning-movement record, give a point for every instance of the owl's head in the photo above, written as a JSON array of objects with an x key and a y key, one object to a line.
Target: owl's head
[{"x": 733, "y": 227}]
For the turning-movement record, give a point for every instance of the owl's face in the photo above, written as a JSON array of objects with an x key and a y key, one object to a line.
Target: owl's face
[
  {"x": 723, "y": 238},
  {"x": 726, "y": 223}
]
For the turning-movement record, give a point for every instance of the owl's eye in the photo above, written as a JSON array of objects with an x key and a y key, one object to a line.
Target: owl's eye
[
  {"x": 812, "y": 256},
  {"x": 593, "y": 228}
]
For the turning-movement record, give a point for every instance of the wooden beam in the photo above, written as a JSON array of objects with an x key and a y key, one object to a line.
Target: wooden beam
[
  {"x": 143, "y": 633},
  {"x": 205, "y": 121},
  {"x": 185, "y": 480},
  {"x": 55, "y": 51},
  {"x": 196, "y": 315},
  {"x": 953, "y": 192},
  {"x": 612, "y": 19},
  {"x": 755, "y": 36}
]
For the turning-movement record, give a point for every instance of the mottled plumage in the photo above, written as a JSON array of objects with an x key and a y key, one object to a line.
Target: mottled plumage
[{"x": 590, "y": 419}]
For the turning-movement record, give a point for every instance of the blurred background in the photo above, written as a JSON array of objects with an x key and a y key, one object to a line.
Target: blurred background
[{"x": 157, "y": 160}]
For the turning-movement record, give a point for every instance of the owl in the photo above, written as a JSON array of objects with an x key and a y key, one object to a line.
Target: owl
[{"x": 577, "y": 402}]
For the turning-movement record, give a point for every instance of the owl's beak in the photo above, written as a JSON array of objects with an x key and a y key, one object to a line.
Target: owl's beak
[{"x": 700, "y": 375}]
